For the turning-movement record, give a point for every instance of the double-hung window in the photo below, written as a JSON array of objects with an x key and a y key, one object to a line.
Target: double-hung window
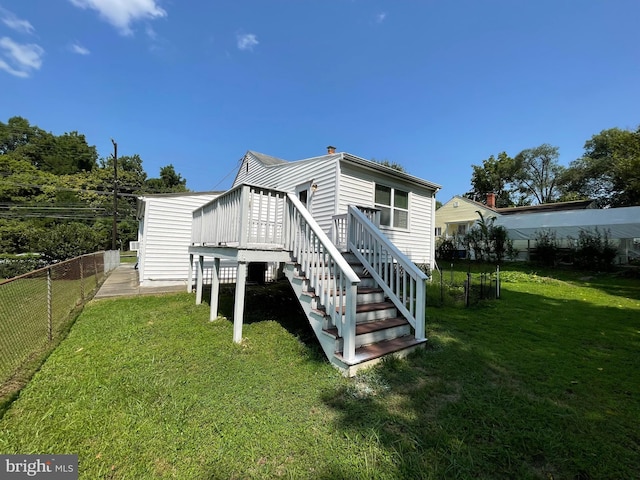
[{"x": 394, "y": 206}]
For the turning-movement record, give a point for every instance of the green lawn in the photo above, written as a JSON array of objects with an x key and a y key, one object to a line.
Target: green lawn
[{"x": 544, "y": 383}]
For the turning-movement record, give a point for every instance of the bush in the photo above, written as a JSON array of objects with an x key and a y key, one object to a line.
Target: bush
[
  {"x": 68, "y": 240},
  {"x": 489, "y": 242},
  {"x": 594, "y": 251},
  {"x": 14, "y": 265},
  {"x": 446, "y": 249},
  {"x": 547, "y": 247}
]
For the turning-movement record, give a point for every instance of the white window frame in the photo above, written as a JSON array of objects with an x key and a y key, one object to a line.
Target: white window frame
[{"x": 393, "y": 208}]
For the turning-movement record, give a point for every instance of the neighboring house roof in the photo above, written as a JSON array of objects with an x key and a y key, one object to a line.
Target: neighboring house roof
[
  {"x": 616, "y": 222},
  {"x": 548, "y": 207},
  {"x": 274, "y": 162}
]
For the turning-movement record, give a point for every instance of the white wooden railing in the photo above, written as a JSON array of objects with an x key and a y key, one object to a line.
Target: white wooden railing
[
  {"x": 244, "y": 217},
  {"x": 402, "y": 281},
  {"x": 339, "y": 230},
  {"x": 330, "y": 276},
  {"x": 255, "y": 217}
]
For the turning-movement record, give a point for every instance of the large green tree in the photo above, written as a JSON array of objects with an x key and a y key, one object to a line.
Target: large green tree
[
  {"x": 538, "y": 175},
  {"x": 53, "y": 190},
  {"x": 169, "y": 181},
  {"x": 493, "y": 176},
  {"x": 64, "y": 154},
  {"x": 609, "y": 171}
]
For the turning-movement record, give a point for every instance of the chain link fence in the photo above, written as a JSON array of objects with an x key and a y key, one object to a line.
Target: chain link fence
[
  {"x": 455, "y": 288},
  {"x": 37, "y": 309}
]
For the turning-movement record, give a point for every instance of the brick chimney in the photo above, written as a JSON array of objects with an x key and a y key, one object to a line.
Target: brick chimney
[
  {"x": 491, "y": 200},
  {"x": 331, "y": 150}
]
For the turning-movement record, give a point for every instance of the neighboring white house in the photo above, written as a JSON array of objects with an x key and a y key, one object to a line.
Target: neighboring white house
[
  {"x": 164, "y": 236},
  {"x": 328, "y": 184}
]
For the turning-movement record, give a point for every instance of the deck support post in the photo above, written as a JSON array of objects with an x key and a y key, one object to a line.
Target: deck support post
[
  {"x": 199, "y": 279},
  {"x": 238, "y": 308},
  {"x": 190, "y": 275},
  {"x": 215, "y": 289}
]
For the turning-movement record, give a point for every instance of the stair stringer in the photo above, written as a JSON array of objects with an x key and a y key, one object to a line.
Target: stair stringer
[{"x": 316, "y": 319}]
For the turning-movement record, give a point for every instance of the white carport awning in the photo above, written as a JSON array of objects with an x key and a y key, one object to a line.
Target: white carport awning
[{"x": 617, "y": 222}]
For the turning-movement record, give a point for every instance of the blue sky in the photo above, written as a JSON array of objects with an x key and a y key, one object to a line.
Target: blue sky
[{"x": 436, "y": 86}]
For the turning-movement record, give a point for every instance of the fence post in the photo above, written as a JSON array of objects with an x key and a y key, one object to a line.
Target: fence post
[
  {"x": 498, "y": 281},
  {"x": 49, "y": 307},
  {"x": 81, "y": 260},
  {"x": 467, "y": 289}
]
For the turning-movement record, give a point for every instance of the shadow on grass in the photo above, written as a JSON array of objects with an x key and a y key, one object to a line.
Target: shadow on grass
[
  {"x": 272, "y": 301},
  {"x": 528, "y": 387}
]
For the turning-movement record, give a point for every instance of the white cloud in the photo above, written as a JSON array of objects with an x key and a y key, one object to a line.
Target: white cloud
[
  {"x": 380, "y": 17},
  {"x": 15, "y": 23},
  {"x": 79, "y": 49},
  {"x": 247, "y": 41},
  {"x": 122, "y": 13},
  {"x": 20, "y": 59}
]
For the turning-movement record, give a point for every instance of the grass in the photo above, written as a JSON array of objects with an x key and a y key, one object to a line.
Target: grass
[{"x": 544, "y": 383}]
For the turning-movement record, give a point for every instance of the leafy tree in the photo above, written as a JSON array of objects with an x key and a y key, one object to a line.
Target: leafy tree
[
  {"x": 68, "y": 240},
  {"x": 169, "y": 181},
  {"x": 537, "y": 174},
  {"x": 493, "y": 176},
  {"x": 390, "y": 164},
  {"x": 64, "y": 154},
  {"x": 609, "y": 171}
]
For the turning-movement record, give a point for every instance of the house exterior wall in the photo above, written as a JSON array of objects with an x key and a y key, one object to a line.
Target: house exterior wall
[
  {"x": 341, "y": 183},
  {"x": 459, "y": 211},
  {"x": 287, "y": 176},
  {"x": 165, "y": 235},
  {"x": 357, "y": 187}
]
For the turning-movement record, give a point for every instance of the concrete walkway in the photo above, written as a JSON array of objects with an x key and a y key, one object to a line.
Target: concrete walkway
[{"x": 123, "y": 282}]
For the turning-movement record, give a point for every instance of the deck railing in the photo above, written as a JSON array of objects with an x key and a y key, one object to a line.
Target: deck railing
[
  {"x": 399, "y": 277},
  {"x": 246, "y": 216},
  {"x": 340, "y": 230},
  {"x": 329, "y": 275},
  {"x": 255, "y": 217}
]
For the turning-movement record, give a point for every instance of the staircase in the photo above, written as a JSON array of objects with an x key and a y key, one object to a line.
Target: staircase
[
  {"x": 380, "y": 329},
  {"x": 362, "y": 305}
]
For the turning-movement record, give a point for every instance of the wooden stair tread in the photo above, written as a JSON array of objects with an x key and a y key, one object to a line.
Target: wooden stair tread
[
  {"x": 373, "y": 326},
  {"x": 372, "y": 307},
  {"x": 380, "y": 349}
]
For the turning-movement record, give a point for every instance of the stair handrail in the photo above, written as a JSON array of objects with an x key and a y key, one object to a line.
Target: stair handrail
[
  {"x": 330, "y": 276},
  {"x": 402, "y": 281}
]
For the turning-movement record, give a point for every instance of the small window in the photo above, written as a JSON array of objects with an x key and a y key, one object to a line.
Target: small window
[
  {"x": 438, "y": 231},
  {"x": 393, "y": 205},
  {"x": 462, "y": 229}
]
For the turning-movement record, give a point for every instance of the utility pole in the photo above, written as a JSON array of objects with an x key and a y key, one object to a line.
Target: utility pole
[{"x": 114, "y": 233}]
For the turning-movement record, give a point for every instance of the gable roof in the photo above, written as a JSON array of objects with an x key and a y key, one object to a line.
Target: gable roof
[
  {"x": 274, "y": 162},
  {"x": 474, "y": 203},
  {"x": 266, "y": 159},
  {"x": 548, "y": 207}
]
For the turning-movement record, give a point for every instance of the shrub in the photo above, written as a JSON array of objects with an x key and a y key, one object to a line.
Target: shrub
[
  {"x": 446, "y": 249},
  {"x": 14, "y": 265},
  {"x": 594, "y": 250},
  {"x": 68, "y": 240},
  {"x": 547, "y": 247}
]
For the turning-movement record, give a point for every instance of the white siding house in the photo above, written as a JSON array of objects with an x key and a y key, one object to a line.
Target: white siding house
[
  {"x": 164, "y": 235},
  {"x": 330, "y": 183},
  {"x": 346, "y": 232}
]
